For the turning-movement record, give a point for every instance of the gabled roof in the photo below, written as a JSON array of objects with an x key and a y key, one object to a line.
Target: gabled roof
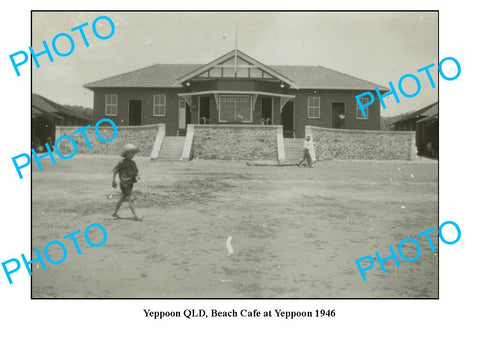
[
  {"x": 237, "y": 56},
  {"x": 172, "y": 75},
  {"x": 47, "y": 107}
]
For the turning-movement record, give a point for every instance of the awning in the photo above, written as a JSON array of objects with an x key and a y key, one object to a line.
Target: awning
[{"x": 284, "y": 98}]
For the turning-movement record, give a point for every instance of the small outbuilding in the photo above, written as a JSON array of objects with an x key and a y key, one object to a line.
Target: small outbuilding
[
  {"x": 425, "y": 124},
  {"x": 46, "y": 115},
  {"x": 407, "y": 122},
  {"x": 427, "y": 134}
]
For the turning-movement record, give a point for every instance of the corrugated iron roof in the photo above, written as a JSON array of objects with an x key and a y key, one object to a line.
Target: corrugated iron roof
[
  {"x": 39, "y": 113},
  {"x": 318, "y": 77},
  {"x": 48, "y": 106},
  {"x": 430, "y": 115},
  {"x": 428, "y": 119},
  {"x": 305, "y": 77},
  {"x": 158, "y": 75},
  {"x": 43, "y": 104},
  {"x": 431, "y": 111},
  {"x": 421, "y": 113}
]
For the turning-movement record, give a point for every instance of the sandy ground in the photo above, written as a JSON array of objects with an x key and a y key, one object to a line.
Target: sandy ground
[{"x": 294, "y": 232}]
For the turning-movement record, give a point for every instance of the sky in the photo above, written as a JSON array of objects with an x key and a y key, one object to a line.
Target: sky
[{"x": 376, "y": 46}]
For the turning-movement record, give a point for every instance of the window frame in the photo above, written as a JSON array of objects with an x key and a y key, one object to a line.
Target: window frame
[
  {"x": 359, "y": 112},
  {"x": 220, "y": 97},
  {"x": 313, "y": 107},
  {"x": 111, "y": 104},
  {"x": 160, "y": 105}
]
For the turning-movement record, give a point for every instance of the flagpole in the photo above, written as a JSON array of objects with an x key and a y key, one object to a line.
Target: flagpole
[{"x": 235, "y": 50}]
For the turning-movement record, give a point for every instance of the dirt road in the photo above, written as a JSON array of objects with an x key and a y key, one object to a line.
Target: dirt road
[{"x": 292, "y": 232}]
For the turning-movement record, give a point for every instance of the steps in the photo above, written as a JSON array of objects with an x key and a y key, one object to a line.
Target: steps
[
  {"x": 293, "y": 149},
  {"x": 172, "y": 148}
]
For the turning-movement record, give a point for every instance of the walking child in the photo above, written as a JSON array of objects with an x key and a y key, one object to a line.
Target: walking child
[
  {"x": 127, "y": 173},
  {"x": 306, "y": 152}
]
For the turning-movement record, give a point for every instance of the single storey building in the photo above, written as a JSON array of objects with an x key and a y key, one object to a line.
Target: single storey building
[
  {"x": 408, "y": 121},
  {"x": 427, "y": 132},
  {"x": 235, "y": 89},
  {"x": 425, "y": 124}
]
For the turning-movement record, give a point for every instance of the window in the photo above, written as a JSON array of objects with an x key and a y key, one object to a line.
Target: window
[
  {"x": 235, "y": 109},
  {"x": 159, "y": 105},
  {"x": 110, "y": 105},
  {"x": 313, "y": 107},
  {"x": 359, "y": 111}
]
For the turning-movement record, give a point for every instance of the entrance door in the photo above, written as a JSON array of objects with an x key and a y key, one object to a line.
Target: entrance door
[
  {"x": 182, "y": 114},
  {"x": 267, "y": 111},
  {"x": 204, "y": 116},
  {"x": 135, "y": 112},
  {"x": 338, "y": 115},
  {"x": 287, "y": 120}
]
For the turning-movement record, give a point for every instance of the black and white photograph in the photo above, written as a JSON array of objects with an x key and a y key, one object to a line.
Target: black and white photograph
[
  {"x": 235, "y": 154},
  {"x": 238, "y": 170}
]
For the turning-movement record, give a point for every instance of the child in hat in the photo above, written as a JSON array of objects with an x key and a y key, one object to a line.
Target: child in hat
[{"x": 127, "y": 172}]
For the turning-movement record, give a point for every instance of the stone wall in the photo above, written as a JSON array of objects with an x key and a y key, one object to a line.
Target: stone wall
[
  {"x": 359, "y": 144},
  {"x": 141, "y": 136},
  {"x": 235, "y": 142}
]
